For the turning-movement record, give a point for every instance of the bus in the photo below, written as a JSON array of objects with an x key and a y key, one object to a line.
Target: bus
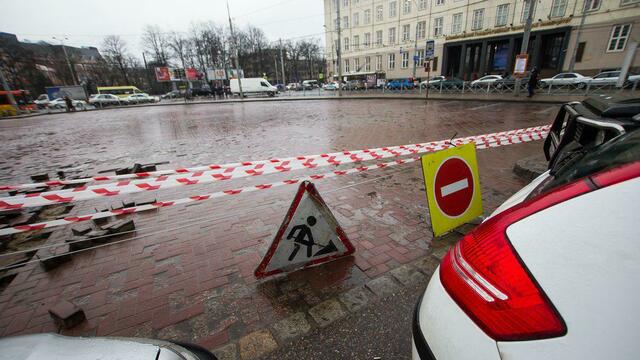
[{"x": 119, "y": 91}]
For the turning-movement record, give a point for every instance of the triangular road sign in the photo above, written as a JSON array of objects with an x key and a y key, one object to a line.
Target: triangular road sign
[{"x": 309, "y": 235}]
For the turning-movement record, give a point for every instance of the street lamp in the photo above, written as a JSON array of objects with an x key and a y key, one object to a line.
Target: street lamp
[{"x": 66, "y": 56}]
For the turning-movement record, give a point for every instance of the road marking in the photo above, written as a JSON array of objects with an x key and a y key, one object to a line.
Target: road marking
[
  {"x": 454, "y": 187},
  {"x": 483, "y": 106}
]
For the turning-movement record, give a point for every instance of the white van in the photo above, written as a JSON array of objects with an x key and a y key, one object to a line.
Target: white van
[{"x": 253, "y": 86}]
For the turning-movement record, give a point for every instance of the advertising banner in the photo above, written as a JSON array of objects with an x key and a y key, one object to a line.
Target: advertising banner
[
  {"x": 163, "y": 74},
  {"x": 193, "y": 74},
  {"x": 216, "y": 74}
]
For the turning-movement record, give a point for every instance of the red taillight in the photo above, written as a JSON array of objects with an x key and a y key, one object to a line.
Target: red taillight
[{"x": 487, "y": 279}]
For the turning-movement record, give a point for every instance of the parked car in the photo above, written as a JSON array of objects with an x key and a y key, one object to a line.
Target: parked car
[
  {"x": 433, "y": 80},
  {"x": 353, "y": 85},
  {"x": 201, "y": 92},
  {"x": 173, "y": 94},
  {"x": 399, "y": 84},
  {"x": 611, "y": 78},
  {"x": 332, "y": 86},
  {"x": 487, "y": 79},
  {"x": 253, "y": 86},
  {"x": 42, "y": 101},
  {"x": 58, "y": 347},
  {"x": 538, "y": 278},
  {"x": 294, "y": 87},
  {"x": 446, "y": 83},
  {"x": 140, "y": 98},
  {"x": 310, "y": 84},
  {"x": 566, "y": 79},
  {"x": 509, "y": 82},
  {"x": 101, "y": 100},
  {"x": 59, "y": 103}
]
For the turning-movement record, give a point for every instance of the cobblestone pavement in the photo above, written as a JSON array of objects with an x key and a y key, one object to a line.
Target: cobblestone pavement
[{"x": 187, "y": 272}]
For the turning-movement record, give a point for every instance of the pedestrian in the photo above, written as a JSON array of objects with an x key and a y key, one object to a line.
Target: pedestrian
[
  {"x": 533, "y": 81},
  {"x": 69, "y": 103}
]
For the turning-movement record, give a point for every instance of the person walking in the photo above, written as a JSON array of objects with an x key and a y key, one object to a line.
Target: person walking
[
  {"x": 69, "y": 103},
  {"x": 533, "y": 81}
]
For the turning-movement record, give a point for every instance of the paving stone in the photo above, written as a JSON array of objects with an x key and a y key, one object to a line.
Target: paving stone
[
  {"x": 129, "y": 203},
  {"x": 439, "y": 253},
  {"x": 119, "y": 226},
  {"x": 52, "y": 262},
  {"x": 66, "y": 314},
  {"x": 79, "y": 243},
  {"x": 291, "y": 327},
  {"x": 327, "y": 312},
  {"x": 227, "y": 352},
  {"x": 408, "y": 275},
  {"x": 356, "y": 298},
  {"x": 427, "y": 265},
  {"x": 22, "y": 219},
  {"x": 256, "y": 344},
  {"x": 81, "y": 229},
  {"x": 383, "y": 286},
  {"x": 98, "y": 236},
  {"x": 40, "y": 177}
]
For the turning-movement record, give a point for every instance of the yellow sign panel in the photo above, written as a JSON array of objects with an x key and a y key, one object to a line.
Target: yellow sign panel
[{"x": 453, "y": 187}]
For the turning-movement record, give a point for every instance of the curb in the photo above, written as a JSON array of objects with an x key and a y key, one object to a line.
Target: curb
[{"x": 530, "y": 167}]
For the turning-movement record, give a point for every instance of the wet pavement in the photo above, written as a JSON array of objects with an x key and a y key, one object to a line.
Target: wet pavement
[{"x": 187, "y": 274}]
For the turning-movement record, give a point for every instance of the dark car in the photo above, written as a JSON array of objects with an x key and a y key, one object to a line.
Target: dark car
[
  {"x": 173, "y": 94},
  {"x": 353, "y": 85},
  {"x": 509, "y": 82},
  {"x": 399, "y": 84},
  {"x": 446, "y": 83},
  {"x": 201, "y": 92}
]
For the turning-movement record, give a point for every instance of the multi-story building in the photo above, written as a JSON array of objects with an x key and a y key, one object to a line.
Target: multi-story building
[{"x": 474, "y": 37}]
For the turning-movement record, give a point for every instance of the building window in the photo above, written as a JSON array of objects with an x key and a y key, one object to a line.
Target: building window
[
  {"x": 456, "y": 23},
  {"x": 593, "y": 5},
  {"x": 378, "y": 62},
  {"x": 356, "y": 64},
  {"x": 392, "y": 61},
  {"x": 379, "y": 37},
  {"x": 367, "y": 63},
  {"x": 619, "y": 37},
  {"x": 420, "y": 60},
  {"x": 356, "y": 42},
  {"x": 345, "y": 44},
  {"x": 379, "y": 13},
  {"x": 422, "y": 4},
  {"x": 367, "y": 40},
  {"x": 406, "y": 7},
  {"x": 439, "y": 2},
  {"x": 435, "y": 64},
  {"x": 356, "y": 19},
  {"x": 405, "y": 59},
  {"x": 627, "y": 2},
  {"x": 525, "y": 11},
  {"x": 367, "y": 17},
  {"x": 502, "y": 14},
  {"x": 406, "y": 32},
  {"x": 345, "y": 2},
  {"x": 580, "y": 51},
  {"x": 393, "y": 9},
  {"x": 346, "y": 65},
  {"x": 558, "y": 8},
  {"x": 392, "y": 36},
  {"x": 437, "y": 26},
  {"x": 421, "y": 28},
  {"x": 345, "y": 22},
  {"x": 478, "y": 19}
]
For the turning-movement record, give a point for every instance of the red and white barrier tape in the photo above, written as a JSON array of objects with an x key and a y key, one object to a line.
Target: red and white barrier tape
[
  {"x": 251, "y": 165},
  {"x": 513, "y": 139},
  {"x": 130, "y": 187}
]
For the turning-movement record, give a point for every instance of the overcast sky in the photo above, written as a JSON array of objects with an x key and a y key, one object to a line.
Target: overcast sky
[{"x": 85, "y": 22}]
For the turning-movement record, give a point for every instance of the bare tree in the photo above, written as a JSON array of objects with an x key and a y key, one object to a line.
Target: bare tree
[
  {"x": 156, "y": 42},
  {"x": 179, "y": 47},
  {"x": 116, "y": 55}
]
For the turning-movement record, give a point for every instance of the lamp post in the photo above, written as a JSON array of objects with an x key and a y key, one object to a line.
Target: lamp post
[{"x": 66, "y": 56}]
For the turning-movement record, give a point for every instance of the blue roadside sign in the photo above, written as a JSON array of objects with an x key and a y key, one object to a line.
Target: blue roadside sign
[{"x": 430, "y": 49}]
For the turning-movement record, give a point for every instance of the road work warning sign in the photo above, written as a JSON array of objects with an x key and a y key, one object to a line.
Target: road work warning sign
[
  {"x": 309, "y": 235},
  {"x": 453, "y": 187}
]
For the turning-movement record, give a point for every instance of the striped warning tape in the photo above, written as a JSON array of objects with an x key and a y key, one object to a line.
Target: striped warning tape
[
  {"x": 513, "y": 139},
  {"x": 251, "y": 165},
  {"x": 123, "y": 187}
]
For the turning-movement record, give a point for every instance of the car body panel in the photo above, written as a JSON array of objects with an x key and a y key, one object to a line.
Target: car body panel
[
  {"x": 584, "y": 254},
  {"x": 448, "y": 331},
  {"x": 488, "y": 79}
]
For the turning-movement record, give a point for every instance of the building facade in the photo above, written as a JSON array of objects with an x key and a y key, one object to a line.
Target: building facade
[{"x": 473, "y": 38}]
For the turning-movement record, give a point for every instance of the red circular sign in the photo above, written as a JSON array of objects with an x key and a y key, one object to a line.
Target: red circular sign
[{"x": 453, "y": 187}]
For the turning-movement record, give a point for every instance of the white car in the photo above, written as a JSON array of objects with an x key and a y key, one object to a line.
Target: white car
[
  {"x": 554, "y": 272},
  {"x": 566, "y": 79},
  {"x": 611, "y": 78},
  {"x": 487, "y": 79},
  {"x": 435, "y": 79},
  {"x": 101, "y": 100},
  {"x": 42, "y": 101},
  {"x": 140, "y": 98},
  {"x": 59, "y": 103}
]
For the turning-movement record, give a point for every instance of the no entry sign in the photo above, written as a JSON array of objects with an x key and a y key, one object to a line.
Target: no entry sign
[{"x": 453, "y": 187}]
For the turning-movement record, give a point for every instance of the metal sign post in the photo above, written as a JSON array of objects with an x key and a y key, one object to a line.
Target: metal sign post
[{"x": 429, "y": 53}]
